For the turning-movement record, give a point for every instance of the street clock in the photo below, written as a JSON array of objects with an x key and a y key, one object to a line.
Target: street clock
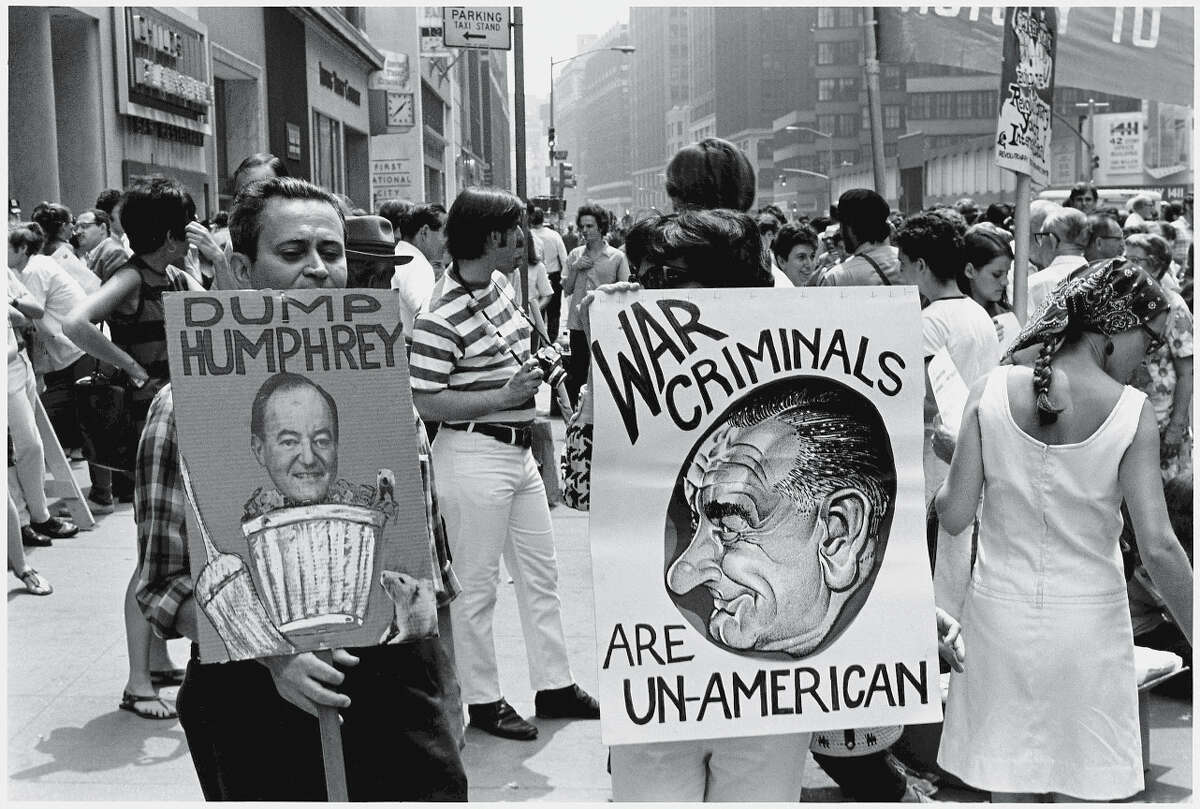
[{"x": 400, "y": 109}]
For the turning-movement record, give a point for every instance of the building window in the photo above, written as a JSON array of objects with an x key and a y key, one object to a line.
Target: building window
[
  {"x": 866, "y": 118},
  {"x": 847, "y": 16},
  {"x": 825, "y": 123},
  {"x": 844, "y": 88},
  {"x": 433, "y": 111},
  {"x": 826, "y": 17},
  {"x": 847, "y": 125},
  {"x": 837, "y": 53},
  {"x": 846, "y": 156},
  {"x": 826, "y": 88},
  {"x": 893, "y": 77},
  {"x": 891, "y": 116},
  {"x": 327, "y": 153}
]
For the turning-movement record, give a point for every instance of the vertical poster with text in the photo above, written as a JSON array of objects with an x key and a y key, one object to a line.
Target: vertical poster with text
[
  {"x": 757, "y": 513},
  {"x": 1026, "y": 92},
  {"x": 298, "y": 462}
]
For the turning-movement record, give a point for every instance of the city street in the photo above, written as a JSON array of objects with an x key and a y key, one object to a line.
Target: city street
[{"x": 67, "y": 664}]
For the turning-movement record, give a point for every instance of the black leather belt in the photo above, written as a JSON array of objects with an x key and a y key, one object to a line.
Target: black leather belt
[{"x": 518, "y": 435}]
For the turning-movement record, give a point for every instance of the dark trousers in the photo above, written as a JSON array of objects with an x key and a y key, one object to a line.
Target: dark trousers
[
  {"x": 554, "y": 308},
  {"x": 249, "y": 744},
  {"x": 866, "y": 779},
  {"x": 581, "y": 360},
  {"x": 59, "y": 400}
]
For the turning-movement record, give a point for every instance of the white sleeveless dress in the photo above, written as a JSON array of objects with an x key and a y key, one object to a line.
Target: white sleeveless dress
[{"x": 1048, "y": 701}]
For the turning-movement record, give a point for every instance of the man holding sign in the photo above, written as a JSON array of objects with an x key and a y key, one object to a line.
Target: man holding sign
[{"x": 251, "y": 724}]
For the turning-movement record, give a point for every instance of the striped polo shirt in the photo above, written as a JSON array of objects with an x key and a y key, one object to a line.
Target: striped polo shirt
[{"x": 466, "y": 341}]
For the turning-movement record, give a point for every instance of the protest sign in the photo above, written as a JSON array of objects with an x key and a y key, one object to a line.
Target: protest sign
[
  {"x": 1007, "y": 329},
  {"x": 949, "y": 390},
  {"x": 757, "y": 514},
  {"x": 306, "y": 520},
  {"x": 1026, "y": 92}
]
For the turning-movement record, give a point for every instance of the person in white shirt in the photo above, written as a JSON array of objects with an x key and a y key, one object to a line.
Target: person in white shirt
[
  {"x": 57, "y": 360},
  {"x": 422, "y": 234},
  {"x": 554, "y": 254},
  {"x": 1058, "y": 248},
  {"x": 932, "y": 256},
  {"x": 57, "y": 223},
  {"x": 1141, "y": 210}
]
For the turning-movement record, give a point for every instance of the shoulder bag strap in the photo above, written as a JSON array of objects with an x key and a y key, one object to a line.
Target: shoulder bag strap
[{"x": 877, "y": 268}]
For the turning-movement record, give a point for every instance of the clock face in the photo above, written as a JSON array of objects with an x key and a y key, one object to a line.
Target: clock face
[{"x": 400, "y": 109}]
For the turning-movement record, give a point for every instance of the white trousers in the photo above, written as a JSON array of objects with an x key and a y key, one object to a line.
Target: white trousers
[
  {"x": 741, "y": 769},
  {"x": 29, "y": 459},
  {"x": 494, "y": 503}
]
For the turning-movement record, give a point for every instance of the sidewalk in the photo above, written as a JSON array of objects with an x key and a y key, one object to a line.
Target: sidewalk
[{"x": 67, "y": 664}]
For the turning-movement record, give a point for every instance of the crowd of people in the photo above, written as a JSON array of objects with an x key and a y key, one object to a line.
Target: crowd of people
[{"x": 1054, "y": 510}]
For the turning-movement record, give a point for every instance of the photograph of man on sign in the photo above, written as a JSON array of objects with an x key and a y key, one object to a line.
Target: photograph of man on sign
[
  {"x": 780, "y": 517},
  {"x": 293, "y": 435}
]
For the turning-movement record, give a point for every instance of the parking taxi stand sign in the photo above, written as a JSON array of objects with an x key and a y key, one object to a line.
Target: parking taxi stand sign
[{"x": 477, "y": 27}]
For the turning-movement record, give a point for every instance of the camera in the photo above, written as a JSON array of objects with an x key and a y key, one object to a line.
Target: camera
[{"x": 550, "y": 361}]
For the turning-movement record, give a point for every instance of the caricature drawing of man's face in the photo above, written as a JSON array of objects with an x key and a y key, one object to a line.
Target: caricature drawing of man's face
[
  {"x": 781, "y": 556},
  {"x": 298, "y": 447}
]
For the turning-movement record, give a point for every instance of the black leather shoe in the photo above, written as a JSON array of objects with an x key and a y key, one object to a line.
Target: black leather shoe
[
  {"x": 32, "y": 539},
  {"x": 499, "y": 719},
  {"x": 571, "y": 702},
  {"x": 55, "y": 528}
]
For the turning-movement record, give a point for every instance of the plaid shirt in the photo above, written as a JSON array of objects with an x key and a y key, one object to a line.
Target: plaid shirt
[{"x": 159, "y": 506}]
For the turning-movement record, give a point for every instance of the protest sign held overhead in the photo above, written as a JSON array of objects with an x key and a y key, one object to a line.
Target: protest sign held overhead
[
  {"x": 306, "y": 522},
  {"x": 1026, "y": 92},
  {"x": 757, "y": 521}
]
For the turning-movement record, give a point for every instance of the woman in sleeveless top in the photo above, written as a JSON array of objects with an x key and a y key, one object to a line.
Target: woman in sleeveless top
[
  {"x": 1048, "y": 703},
  {"x": 155, "y": 213}
]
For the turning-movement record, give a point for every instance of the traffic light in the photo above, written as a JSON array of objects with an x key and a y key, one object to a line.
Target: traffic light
[
  {"x": 1095, "y": 161},
  {"x": 566, "y": 175},
  {"x": 551, "y": 137}
]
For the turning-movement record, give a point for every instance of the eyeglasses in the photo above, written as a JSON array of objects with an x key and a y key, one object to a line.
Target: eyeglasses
[
  {"x": 81, "y": 225},
  {"x": 1157, "y": 340},
  {"x": 663, "y": 276},
  {"x": 1040, "y": 237}
]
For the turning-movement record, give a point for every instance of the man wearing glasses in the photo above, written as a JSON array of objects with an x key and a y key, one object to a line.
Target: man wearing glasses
[
  {"x": 104, "y": 253},
  {"x": 1106, "y": 240},
  {"x": 1057, "y": 246}
]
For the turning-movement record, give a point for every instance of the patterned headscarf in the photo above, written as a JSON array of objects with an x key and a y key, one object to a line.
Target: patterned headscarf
[{"x": 1109, "y": 297}]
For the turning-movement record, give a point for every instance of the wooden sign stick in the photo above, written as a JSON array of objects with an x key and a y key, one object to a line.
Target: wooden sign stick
[{"x": 331, "y": 746}]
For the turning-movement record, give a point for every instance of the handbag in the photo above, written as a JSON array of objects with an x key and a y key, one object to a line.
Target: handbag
[
  {"x": 111, "y": 413},
  {"x": 577, "y": 465}
]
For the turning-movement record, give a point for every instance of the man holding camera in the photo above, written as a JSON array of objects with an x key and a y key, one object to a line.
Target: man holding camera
[{"x": 472, "y": 371}]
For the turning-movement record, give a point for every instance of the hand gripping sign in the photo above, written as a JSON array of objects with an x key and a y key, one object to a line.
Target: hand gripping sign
[{"x": 757, "y": 520}]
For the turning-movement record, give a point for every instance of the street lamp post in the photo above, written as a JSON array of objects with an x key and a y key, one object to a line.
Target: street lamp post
[
  {"x": 829, "y": 143},
  {"x": 618, "y": 48}
]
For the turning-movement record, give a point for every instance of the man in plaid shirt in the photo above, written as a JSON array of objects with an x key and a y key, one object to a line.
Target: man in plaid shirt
[{"x": 251, "y": 725}]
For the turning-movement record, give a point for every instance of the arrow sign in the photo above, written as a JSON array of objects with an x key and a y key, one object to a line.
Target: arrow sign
[{"x": 477, "y": 27}]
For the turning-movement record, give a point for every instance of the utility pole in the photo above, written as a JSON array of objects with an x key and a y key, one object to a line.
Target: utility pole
[
  {"x": 519, "y": 139},
  {"x": 876, "y": 105},
  {"x": 1090, "y": 165}
]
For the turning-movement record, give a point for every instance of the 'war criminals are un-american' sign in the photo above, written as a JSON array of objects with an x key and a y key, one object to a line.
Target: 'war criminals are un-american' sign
[{"x": 757, "y": 514}]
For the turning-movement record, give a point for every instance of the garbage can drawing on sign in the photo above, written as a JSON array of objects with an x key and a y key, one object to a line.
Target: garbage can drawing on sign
[{"x": 315, "y": 563}]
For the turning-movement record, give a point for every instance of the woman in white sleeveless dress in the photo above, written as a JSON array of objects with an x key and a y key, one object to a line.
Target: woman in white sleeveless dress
[{"x": 1048, "y": 703}]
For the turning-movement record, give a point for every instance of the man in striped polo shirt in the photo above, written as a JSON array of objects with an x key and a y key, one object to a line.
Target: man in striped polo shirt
[{"x": 472, "y": 371}]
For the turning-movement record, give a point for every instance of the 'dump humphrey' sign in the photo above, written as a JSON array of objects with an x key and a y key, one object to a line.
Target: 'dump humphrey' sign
[{"x": 757, "y": 515}]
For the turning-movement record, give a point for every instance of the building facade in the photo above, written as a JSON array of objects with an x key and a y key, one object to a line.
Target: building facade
[{"x": 101, "y": 96}]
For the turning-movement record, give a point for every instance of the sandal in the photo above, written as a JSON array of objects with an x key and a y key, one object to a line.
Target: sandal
[
  {"x": 34, "y": 583},
  {"x": 130, "y": 702},
  {"x": 167, "y": 677}
]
